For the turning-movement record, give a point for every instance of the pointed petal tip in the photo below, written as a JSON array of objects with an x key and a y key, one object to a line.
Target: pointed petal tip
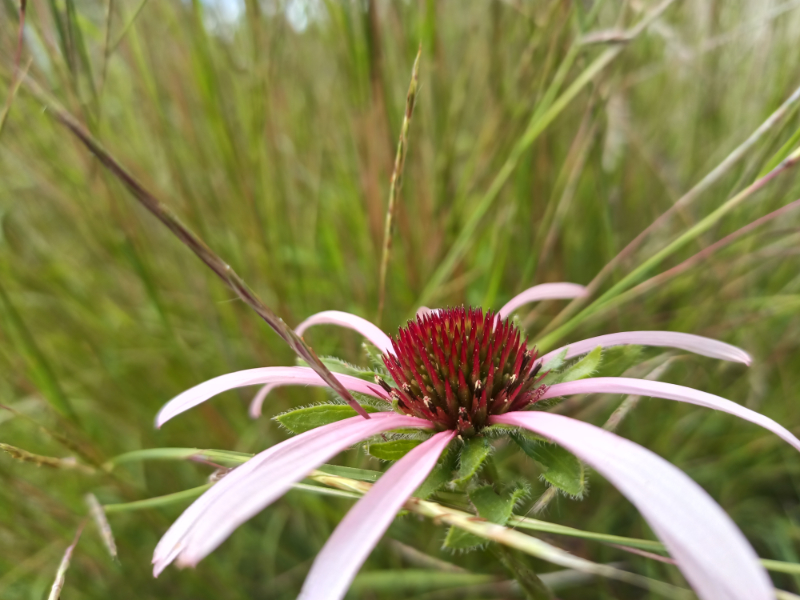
[
  {"x": 665, "y": 339},
  {"x": 158, "y": 568},
  {"x": 269, "y": 376}
]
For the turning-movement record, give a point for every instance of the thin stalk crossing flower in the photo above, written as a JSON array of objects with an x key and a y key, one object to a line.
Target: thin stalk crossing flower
[{"x": 455, "y": 372}]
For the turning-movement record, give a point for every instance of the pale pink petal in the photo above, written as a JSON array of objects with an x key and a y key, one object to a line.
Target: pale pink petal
[
  {"x": 668, "y": 339},
  {"x": 424, "y": 310},
  {"x": 273, "y": 375},
  {"x": 667, "y": 391},
  {"x": 714, "y": 556},
  {"x": 250, "y": 488},
  {"x": 258, "y": 400},
  {"x": 342, "y": 556},
  {"x": 336, "y": 317},
  {"x": 545, "y": 291}
]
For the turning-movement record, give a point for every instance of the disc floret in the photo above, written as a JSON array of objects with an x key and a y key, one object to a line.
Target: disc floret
[{"x": 456, "y": 366}]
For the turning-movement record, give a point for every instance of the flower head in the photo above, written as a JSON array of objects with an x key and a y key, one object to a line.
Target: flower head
[
  {"x": 456, "y": 367},
  {"x": 456, "y": 371}
]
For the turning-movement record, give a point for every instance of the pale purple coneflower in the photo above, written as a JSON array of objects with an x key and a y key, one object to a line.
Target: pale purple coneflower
[{"x": 456, "y": 371}]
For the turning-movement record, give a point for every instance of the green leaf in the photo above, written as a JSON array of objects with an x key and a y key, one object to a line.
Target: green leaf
[
  {"x": 458, "y": 539},
  {"x": 618, "y": 359},
  {"x": 393, "y": 450},
  {"x": 473, "y": 453},
  {"x": 562, "y": 470},
  {"x": 582, "y": 369},
  {"x": 351, "y": 473},
  {"x": 555, "y": 363},
  {"x": 494, "y": 507},
  {"x": 441, "y": 474},
  {"x": 337, "y": 365},
  {"x": 490, "y": 506},
  {"x": 311, "y": 417},
  {"x": 374, "y": 357}
]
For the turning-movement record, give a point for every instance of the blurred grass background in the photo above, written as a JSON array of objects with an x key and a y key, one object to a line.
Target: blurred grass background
[{"x": 270, "y": 127}]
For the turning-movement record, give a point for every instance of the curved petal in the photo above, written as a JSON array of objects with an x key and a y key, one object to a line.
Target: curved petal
[
  {"x": 545, "y": 291},
  {"x": 274, "y": 375},
  {"x": 668, "y": 339},
  {"x": 248, "y": 489},
  {"x": 258, "y": 400},
  {"x": 336, "y": 317},
  {"x": 668, "y": 391},
  {"x": 714, "y": 556},
  {"x": 342, "y": 556}
]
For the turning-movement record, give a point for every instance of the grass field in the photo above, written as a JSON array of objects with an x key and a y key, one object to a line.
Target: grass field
[{"x": 547, "y": 135}]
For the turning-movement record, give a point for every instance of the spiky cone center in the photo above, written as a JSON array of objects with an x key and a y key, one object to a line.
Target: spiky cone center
[{"x": 457, "y": 366}]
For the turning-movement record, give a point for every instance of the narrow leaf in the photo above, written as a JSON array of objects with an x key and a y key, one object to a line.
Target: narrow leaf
[
  {"x": 311, "y": 417},
  {"x": 495, "y": 507},
  {"x": 491, "y": 506},
  {"x": 223, "y": 457},
  {"x": 556, "y": 362},
  {"x": 781, "y": 154},
  {"x": 473, "y": 453},
  {"x": 392, "y": 450},
  {"x": 458, "y": 539},
  {"x": 441, "y": 475},
  {"x": 582, "y": 369},
  {"x": 618, "y": 359},
  {"x": 350, "y": 472},
  {"x": 562, "y": 470},
  {"x": 337, "y": 365}
]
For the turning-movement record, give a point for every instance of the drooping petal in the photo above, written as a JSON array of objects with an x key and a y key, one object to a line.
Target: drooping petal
[
  {"x": 667, "y": 339},
  {"x": 336, "y": 317},
  {"x": 545, "y": 291},
  {"x": 714, "y": 556},
  {"x": 258, "y": 400},
  {"x": 342, "y": 556},
  {"x": 273, "y": 375},
  {"x": 667, "y": 391},
  {"x": 250, "y": 488}
]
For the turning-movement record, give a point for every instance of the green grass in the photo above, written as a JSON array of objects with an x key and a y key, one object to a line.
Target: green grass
[{"x": 532, "y": 157}]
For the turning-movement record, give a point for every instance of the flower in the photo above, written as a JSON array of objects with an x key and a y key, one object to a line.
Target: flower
[{"x": 455, "y": 372}]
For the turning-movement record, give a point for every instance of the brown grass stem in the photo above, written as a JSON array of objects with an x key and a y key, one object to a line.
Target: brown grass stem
[
  {"x": 164, "y": 214},
  {"x": 396, "y": 184}
]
